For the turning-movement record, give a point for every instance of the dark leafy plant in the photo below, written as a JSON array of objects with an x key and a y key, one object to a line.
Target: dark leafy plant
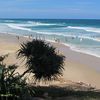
[
  {"x": 41, "y": 59},
  {"x": 10, "y": 81}
]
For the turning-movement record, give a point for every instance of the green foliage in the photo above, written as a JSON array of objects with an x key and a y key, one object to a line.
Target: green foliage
[
  {"x": 10, "y": 81},
  {"x": 42, "y": 60}
]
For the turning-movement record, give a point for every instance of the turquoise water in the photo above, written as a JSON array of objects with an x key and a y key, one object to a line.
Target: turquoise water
[{"x": 80, "y": 35}]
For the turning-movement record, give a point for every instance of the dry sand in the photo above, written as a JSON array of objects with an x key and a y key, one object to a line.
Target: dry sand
[{"x": 79, "y": 67}]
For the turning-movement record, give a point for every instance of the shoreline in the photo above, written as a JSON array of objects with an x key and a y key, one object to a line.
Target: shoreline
[
  {"x": 85, "y": 61},
  {"x": 71, "y": 48},
  {"x": 79, "y": 67},
  {"x": 54, "y": 42},
  {"x": 78, "y": 51}
]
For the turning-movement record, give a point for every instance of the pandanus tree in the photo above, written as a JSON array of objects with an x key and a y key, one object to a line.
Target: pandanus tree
[{"x": 42, "y": 60}]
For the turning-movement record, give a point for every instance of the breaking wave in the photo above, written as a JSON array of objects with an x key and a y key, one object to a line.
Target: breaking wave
[
  {"x": 89, "y": 29},
  {"x": 16, "y": 26}
]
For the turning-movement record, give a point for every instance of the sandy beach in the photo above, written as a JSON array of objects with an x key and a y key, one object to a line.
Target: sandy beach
[{"x": 79, "y": 67}]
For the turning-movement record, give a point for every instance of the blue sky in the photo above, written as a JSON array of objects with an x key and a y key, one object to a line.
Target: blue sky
[{"x": 71, "y": 9}]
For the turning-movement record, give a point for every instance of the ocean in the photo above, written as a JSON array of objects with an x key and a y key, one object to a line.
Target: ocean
[{"x": 82, "y": 35}]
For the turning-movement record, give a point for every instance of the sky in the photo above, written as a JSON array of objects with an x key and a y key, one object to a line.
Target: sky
[{"x": 50, "y": 9}]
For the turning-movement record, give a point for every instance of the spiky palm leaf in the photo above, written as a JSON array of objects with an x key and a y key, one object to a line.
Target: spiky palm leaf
[{"x": 42, "y": 60}]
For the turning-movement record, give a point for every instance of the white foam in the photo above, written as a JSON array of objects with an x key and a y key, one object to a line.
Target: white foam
[
  {"x": 90, "y": 38},
  {"x": 74, "y": 48},
  {"x": 48, "y": 40},
  {"x": 40, "y": 24},
  {"x": 90, "y": 29},
  {"x": 61, "y": 34},
  {"x": 84, "y": 51},
  {"x": 15, "y": 26},
  {"x": 29, "y": 24},
  {"x": 9, "y": 21},
  {"x": 20, "y": 27}
]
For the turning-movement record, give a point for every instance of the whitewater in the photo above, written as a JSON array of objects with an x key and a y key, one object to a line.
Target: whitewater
[{"x": 81, "y": 35}]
